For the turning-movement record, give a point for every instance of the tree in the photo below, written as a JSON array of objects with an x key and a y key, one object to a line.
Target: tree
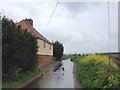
[
  {"x": 58, "y": 50},
  {"x": 19, "y": 49}
]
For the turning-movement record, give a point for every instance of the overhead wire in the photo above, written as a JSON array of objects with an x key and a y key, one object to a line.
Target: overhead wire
[{"x": 50, "y": 17}]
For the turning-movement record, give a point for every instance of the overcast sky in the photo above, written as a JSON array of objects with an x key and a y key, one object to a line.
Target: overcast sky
[{"x": 82, "y": 27}]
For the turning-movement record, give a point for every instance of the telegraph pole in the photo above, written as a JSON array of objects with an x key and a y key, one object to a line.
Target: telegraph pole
[{"x": 109, "y": 33}]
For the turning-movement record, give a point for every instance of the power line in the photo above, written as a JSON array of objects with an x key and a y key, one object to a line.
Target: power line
[{"x": 50, "y": 17}]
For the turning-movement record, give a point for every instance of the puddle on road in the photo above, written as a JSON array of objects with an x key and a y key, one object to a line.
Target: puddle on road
[{"x": 58, "y": 79}]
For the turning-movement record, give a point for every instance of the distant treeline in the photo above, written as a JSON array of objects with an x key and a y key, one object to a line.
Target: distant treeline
[
  {"x": 94, "y": 53},
  {"x": 110, "y": 53}
]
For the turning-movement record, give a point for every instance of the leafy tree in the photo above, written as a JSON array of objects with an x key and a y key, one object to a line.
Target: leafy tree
[
  {"x": 79, "y": 54},
  {"x": 19, "y": 49},
  {"x": 58, "y": 50}
]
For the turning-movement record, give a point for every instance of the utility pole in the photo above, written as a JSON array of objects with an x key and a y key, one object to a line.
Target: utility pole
[
  {"x": 0, "y": 52},
  {"x": 109, "y": 33},
  {"x": 0, "y": 16}
]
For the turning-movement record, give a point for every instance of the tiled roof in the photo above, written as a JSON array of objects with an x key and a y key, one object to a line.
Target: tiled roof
[{"x": 25, "y": 24}]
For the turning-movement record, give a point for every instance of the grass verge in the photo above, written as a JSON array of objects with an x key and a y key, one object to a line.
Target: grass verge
[
  {"x": 94, "y": 72},
  {"x": 12, "y": 83}
]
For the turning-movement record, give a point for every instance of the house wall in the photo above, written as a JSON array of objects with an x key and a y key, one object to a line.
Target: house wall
[
  {"x": 44, "y": 59},
  {"x": 44, "y": 48},
  {"x": 45, "y": 52}
]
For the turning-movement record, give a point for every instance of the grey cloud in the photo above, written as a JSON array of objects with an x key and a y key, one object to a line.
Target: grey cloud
[
  {"x": 80, "y": 7},
  {"x": 59, "y": 35},
  {"x": 81, "y": 27},
  {"x": 75, "y": 7}
]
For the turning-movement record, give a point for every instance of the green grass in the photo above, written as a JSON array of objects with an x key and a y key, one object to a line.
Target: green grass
[
  {"x": 76, "y": 58},
  {"x": 12, "y": 83},
  {"x": 94, "y": 72},
  {"x": 64, "y": 57}
]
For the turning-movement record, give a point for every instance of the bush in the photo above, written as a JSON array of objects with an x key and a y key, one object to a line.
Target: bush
[
  {"x": 113, "y": 81},
  {"x": 98, "y": 59},
  {"x": 58, "y": 49},
  {"x": 76, "y": 58},
  {"x": 19, "y": 50},
  {"x": 94, "y": 72}
]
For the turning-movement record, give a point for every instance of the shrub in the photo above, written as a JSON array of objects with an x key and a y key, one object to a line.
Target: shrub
[
  {"x": 58, "y": 49},
  {"x": 94, "y": 72},
  {"x": 76, "y": 58},
  {"x": 113, "y": 81},
  {"x": 98, "y": 59},
  {"x": 19, "y": 50}
]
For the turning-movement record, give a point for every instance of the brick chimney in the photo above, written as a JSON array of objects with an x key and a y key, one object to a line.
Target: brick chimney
[{"x": 30, "y": 21}]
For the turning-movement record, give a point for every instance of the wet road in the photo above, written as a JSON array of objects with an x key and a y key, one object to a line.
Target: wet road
[{"x": 60, "y": 78}]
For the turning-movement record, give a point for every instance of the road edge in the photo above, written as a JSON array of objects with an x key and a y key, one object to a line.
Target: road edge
[
  {"x": 29, "y": 81},
  {"x": 76, "y": 81}
]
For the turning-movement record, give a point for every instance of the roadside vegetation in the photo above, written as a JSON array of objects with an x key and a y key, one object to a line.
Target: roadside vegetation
[
  {"x": 70, "y": 56},
  {"x": 58, "y": 49},
  {"x": 22, "y": 78},
  {"x": 64, "y": 57},
  {"x": 19, "y": 54},
  {"x": 94, "y": 71}
]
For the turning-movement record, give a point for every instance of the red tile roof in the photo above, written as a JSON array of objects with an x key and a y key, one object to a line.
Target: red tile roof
[{"x": 26, "y": 24}]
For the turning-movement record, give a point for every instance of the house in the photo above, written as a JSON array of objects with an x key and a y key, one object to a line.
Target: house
[{"x": 45, "y": 47}]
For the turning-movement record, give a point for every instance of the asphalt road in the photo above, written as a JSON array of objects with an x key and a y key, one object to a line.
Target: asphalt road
[{"x": 58, "y": 79}]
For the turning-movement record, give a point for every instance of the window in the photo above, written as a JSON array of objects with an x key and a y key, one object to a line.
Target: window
[{"x": 44, "y": 44}]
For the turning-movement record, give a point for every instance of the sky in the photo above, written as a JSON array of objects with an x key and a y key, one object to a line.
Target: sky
[{"x": 82, "y": 27}]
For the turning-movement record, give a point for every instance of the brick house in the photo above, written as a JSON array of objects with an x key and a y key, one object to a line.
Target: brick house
[{"x": 45, "y": 47}]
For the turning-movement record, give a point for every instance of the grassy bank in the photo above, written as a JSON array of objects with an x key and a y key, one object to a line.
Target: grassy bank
[
  {"x": 12, "y": 83},
  {"x": 94, "y": 72}
]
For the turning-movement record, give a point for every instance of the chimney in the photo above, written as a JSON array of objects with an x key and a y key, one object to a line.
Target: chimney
[{"x": 30, "y": 21}]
